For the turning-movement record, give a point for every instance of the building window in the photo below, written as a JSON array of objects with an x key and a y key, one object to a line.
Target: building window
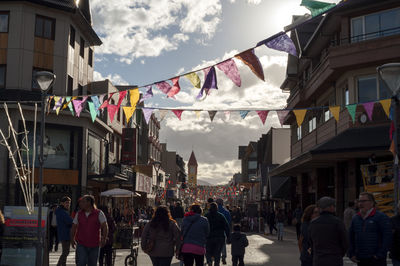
[
  {"x": 4, "y": 21},
  {"x": 369, "y": 89},
  {"x": 252, "y": 165},
  {"x": 375, "y": 25},
  {"x": 3, "y": 76},
  {"x": 72, "y": 36},
  {"x": 82, "y": 48},
  {"x": 312, "y": 124},
  {"x": 299, "y": 133},
  {"x": 45, "y": 27},
  {"x": 70, "y": 84},
  {"x": 35, "y": 85},
  {"x": 90, "y": 59},
  {"x": 80, "y": 89},
  {"x": 346, "y": 96}
]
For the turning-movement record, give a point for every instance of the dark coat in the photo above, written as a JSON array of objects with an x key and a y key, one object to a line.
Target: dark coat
[
  {"x": 395, "y": 249},
  {"x": 305, "y": 244},
  {"x": 239, "y": 243},
  {"x": 370, "y": 237},
  {"x": 219, "y": 227},
  {"x": 328, "y": 239},
  {"x": 199, "y": 230},
  {"x": 64, "y": 223},
  {"x": 177, "y": 212}
]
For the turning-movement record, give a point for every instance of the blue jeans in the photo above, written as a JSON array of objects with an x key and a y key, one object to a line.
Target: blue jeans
[
  {"x": 86, "y": 256},
  {"x": 396, "y": 262},
  {"x": 280, "y": 230},
  {"x": 161, "y": 261}
]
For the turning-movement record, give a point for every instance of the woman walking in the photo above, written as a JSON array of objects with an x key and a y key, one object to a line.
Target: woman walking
[
  {"x": 195, "y": 229},
  {"x": 161, "y": 237},
  {"x": 310, "y": 213},
  {"x": 280, "y": 220},
  {"x": 107, "y": 251}
]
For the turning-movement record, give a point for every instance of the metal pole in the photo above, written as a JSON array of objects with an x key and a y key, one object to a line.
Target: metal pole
[
  {"x": 39, "y": 255},
  {"x": 396, "y": 158}
]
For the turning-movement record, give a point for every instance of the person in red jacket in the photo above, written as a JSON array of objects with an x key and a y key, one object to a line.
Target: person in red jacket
[{"x": 88, "y": 223}]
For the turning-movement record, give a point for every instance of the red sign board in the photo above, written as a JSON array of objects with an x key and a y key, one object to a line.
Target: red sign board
[{"x": 129, "y": 146}]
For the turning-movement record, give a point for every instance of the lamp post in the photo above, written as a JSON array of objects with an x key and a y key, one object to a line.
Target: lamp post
[
  {"x": 390, "y": 75},
  {"x": 45, "y": 80}
]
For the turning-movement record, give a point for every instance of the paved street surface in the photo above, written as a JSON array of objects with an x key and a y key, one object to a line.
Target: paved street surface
[{"x": 263, "y": 250}]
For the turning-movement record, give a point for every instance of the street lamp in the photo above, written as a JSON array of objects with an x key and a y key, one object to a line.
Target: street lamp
[
  {"x": 45, "y": 80},
  {"x": 390, "y": 75}
]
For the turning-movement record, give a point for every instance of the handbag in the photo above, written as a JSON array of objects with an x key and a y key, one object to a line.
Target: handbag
[{"x": 180, "y": 257}]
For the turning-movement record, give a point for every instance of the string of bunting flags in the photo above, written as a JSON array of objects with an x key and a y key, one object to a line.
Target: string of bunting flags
[{"x": 171, "y": 87}]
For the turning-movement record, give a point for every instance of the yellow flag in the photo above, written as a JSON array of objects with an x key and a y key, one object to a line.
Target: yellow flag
[
  {"x": 194, "y": 79},
  {"x": 386, "y": 105},
  {"x": 335, "y": 110},
  {"x": 197, "y": 114},
  {"x": 134, "y": 94},
  {"x": 67, "y": 102},
  {"x": 300, "y": 114},
  {"x": 129, "y": 112}
]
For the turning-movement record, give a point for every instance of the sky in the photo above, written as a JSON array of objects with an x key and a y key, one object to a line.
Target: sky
[{"x": 146, "y": 41}]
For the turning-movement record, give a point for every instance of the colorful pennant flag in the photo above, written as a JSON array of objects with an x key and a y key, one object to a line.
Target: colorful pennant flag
[
  {"x": 209, "y": 83},
  {"x": 251, "y": 60},
  {"x": 352, "y": 111},
  {"x": 92, "y": 110},
  {"x": 316, "y": 7},
  {"x": 212, "y": 114},
  {"x": 369, "y": 108},
  {"x": 300, "y": 114},
  {"x": 122, "y": 95},
  {"x": 68, "y": 104},
  {"x": 178, "y": 113},
  {"x": 175, "y": 88},
  {"x": 105, "y": 103},
  {"x": 78, "y": 105},
  {"x": 112, "y": 110},
  {"x": 281, "y": 43},
  {"x": 227, "y": 115},
  {"x": 59, "y": 104},
  {"x": 244, "y": 113},
  {"x": 197, "y": 112},
  {"x": 282, "y": 115},
  {"x": 263, "y": 115},
  {"x": 194, "y": 79},
  {"x": 231, "y": 71},
  {"x": 164, "y": 87},
  {"x": 386, "y": 105},
  {"x": 96, "y": 104},
  {"x": 128, "y": 111},
  {"x": 163, "y": 114},
  {"x": 148, "y": 95},
  {"x": 335, "y": 110},
  {"x": 147, "y": 112}
]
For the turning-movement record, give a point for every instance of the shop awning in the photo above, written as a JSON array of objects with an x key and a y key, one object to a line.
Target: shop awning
[
  {"x": 279, "y": 187},
  {"x": 119, "y": 193}
]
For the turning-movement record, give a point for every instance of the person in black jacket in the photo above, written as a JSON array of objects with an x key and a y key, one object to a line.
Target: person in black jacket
[
  {"x": 239, "y": 243},
  {"x": 178, "y": 213},
  {"x": 328, "y": 235},
  {"x": 310, "y": 213},
  {"x": 219, "y": 227},
  {"x": 395, "y": 249}
]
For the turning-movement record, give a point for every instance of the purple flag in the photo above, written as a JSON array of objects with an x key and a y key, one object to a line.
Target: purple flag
[
  {"x": 78, "y": 105},
  {"x": 164, "y": 87},
  {"x": 148, "y": 95},
  {"x": 147, "y": 112},
  {"x": 369, "y": 108},
  {"x": 210, "y": 81},
  {"x": 282, "y": 43},
  {"x": 230, "y": 69},
  {"x": 282, "y": 115},
  {"x": 58, "y": 103}
]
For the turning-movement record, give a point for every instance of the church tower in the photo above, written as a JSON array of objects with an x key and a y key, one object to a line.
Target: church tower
[{"x": 192, "y": 170}]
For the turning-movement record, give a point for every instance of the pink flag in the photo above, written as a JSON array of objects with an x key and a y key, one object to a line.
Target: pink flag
[
  {"x": 369, "y": 108},
  {"x": 178, "y": 113},
  {"x": 230, "y": 69},
  {"x": 147, "y": 112},
  {"x": 112, "y": 109},
  {"x": 263, "y": 115},
  {"x": 175, "y": 87},
  {"x": 122, "y": 95},
  {"x": 164, "y": 87},
  {"x": 282, "y": 115},
  {"x": 105, "y": 103},
  {"x": 78, "y": 105}
]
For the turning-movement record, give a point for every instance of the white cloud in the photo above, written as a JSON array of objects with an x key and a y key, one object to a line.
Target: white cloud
[
  {"x": 114, "y": 78},
  {"x": 254, "y": 2}
]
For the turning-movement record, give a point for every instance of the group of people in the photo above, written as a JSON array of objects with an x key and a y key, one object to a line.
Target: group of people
[
  {"x": 366, "y": 235},
  {"x": 201, "y": 234}
]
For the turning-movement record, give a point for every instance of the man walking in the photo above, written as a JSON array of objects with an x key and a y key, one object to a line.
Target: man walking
[
  {"x": 370, "y": 234},
  {"x": 328, "y": 235},
  {"x": 228, "y": 218},
  {"x": 87, "y": 224},
  {"x": 64, "y": 223},
  {"x": 297, "y": 214}
]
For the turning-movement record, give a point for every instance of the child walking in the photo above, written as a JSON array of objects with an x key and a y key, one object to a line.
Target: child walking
[{"x": 239, "y": 243}]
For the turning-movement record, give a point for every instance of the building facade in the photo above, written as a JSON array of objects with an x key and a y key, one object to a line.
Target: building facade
[{"x": 192, "y": 171}]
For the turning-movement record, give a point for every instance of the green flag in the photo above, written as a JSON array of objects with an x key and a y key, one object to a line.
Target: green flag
[
  {"x": 93, "y": 112},
  {"x": 352, "y": 111},
  {"x": 316, "y": 7}
]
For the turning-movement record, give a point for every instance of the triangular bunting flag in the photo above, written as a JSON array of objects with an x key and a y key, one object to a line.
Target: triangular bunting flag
[
  {"x": 112, "y": 110},
  {"x": 105, "y": 103},
  {"x": 148, "y": 95},
  {"x": 59, "y": 104},
  {"x": 281, "y": 43},
  {"x": 209, "y": 83},
  {"x": 92, "y": 109},
  {"x": 197, "y": 112},
  {"x": 147, "y": 112},
  {"x": 244, "y": 113},
  {"x": 175, "y": 87},
  {"x": 386, "y": 105},
  {"x": 369, "y": 108},
  {"x": 122, "y": 95},
  {"x": 49, "y": 103},
  {"x": 263, "y": 115},
  {"x": 128, "y": 111},
  {"x": 96, "y": 104},
  {"x": 392, "y": 148},
  {"x": 178, "y": 113},
  {"x": 352, "y": 111},
  {"x": 163, "y": 113},
  {"x": 251, "y": 60},
  {"x": 134, "y": 96},
  {"x": 300, "y": 114},
  {"x": 227, "y": 115},
  {"x": 212, "y": 114},
  {"x": 56, "y": 102},
  {"x": 316, "y": 7},
  {"x": 335, "y": 110},
  {"x": 231, "y": 71},
  {"x": 78, "y": 105},
  {"x": 194, "y": 79},
  {"x": 164, "y": 87}
]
